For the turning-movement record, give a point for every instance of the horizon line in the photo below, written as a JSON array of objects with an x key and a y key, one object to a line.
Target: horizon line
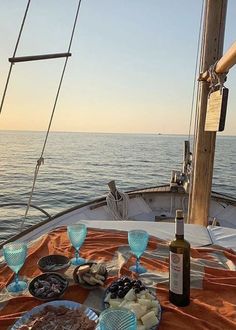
[{"x": 92, "y": 132}]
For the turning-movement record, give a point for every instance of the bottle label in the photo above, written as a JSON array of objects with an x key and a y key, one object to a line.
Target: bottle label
[{"x": 176, "y": 273}]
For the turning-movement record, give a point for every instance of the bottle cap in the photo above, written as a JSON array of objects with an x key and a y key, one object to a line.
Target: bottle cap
[{"x": 179, "y": 214}]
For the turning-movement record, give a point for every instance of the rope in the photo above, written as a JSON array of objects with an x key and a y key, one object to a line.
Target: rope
[
  {"x": 14, "y": 53},
  {"x": 217, "y": 80},
  {"x": 39, "y": 162},
  {"x": 41, "y": 159},
  {"x": 118, "y": 205}
]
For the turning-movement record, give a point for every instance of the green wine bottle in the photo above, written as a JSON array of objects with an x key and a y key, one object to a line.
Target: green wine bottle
[{"x": 179, "y": 265}]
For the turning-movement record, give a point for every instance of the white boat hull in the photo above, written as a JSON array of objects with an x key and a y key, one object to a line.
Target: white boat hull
[{"x": 156, "y": 204}]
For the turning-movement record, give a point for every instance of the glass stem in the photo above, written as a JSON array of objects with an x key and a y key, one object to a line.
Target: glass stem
[
  {"x": 17, "y": 281},
  {"x": 76, "y": 255},
  {"x": 137, "y": 264}
]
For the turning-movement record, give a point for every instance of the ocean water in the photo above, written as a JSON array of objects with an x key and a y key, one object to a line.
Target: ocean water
[{"x": 78, "y": 166}]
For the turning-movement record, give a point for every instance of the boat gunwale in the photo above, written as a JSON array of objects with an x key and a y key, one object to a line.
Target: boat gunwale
[{"x": 136, "y": 192}]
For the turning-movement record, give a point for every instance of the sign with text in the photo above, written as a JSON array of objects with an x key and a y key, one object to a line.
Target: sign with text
[{"x": 216, "y": 110}]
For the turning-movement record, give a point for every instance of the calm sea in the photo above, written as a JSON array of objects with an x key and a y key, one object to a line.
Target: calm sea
[{"x": 78, "y": 166}]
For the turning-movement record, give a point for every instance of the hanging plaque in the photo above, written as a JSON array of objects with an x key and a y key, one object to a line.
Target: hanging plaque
[{"x": 216, "y": 110}]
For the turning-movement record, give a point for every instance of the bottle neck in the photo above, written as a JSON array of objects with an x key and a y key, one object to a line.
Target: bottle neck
[{"x": 179, "y": 228}]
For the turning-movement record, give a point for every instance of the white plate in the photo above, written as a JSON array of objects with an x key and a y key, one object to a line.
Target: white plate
[{"x": 66, "y": 303}]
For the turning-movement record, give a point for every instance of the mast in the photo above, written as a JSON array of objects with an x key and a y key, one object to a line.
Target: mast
[{"x": 212, "y": 49}]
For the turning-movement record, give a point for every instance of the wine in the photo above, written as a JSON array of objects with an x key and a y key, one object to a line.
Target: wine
[{"x": 179, "y": 266}]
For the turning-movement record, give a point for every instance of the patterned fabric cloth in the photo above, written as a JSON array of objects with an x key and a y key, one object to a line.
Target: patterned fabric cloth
[{"x": 213, "y": 279}]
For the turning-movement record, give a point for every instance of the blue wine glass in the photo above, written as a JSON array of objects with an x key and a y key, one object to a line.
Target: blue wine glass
[
  {"x": 117, "y": 318},
  {"x": 15, "y": 254},
  {"x": 138, "y": 240},
  {"x": 77, "y": 234}
]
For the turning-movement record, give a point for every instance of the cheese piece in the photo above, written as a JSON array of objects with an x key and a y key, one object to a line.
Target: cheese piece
[
  {"x": 138, "y": 309},
  {"x": 130, "y": 295},
  {"x": 148, "y": 295},
  {"x": 124, "y": 303},
  {"x": 114, "y": 302},
  {"x": 155, "y": 310},
  {"x": 155, "y": 303},
  {"x": 107, "y": 298},
  {"x": 149, "y": 320},
  {"x": 145, "y": 302},
  {"x": 141, "y": 327}
]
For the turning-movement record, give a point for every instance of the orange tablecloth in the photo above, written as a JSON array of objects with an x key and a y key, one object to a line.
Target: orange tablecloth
[{"x": 213, "y": 279}]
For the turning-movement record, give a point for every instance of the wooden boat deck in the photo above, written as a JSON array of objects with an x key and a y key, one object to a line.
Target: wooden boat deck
[{"x": 160, "y": 189}]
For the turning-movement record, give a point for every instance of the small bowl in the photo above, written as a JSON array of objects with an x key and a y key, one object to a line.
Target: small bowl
[
  {"x": 56, "y": 283},
  {"x": 86, "y": 285},
  {"x": 54, "y": 263}
]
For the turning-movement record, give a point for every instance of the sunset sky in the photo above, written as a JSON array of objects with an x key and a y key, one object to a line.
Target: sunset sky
[{"x": 131, "y": 69}]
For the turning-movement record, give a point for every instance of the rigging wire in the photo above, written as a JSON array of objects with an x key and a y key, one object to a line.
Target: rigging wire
[
  {"x": 195, "y": 70},
  {"x": 197, "y": 109},
  {"x": 40, "y": 161},
  {"x": 14, "y": 53},
  {"x": 197, "y": 106}
]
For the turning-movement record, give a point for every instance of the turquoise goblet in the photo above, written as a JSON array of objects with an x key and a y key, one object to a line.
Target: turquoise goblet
[
  {"x": 117, "y": 318},
  {"x": 15, "y": 254},
  {"x": 138, "y": 240},
  {"x": 77, "y": 234}
]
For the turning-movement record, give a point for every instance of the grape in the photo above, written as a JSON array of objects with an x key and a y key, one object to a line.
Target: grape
[
  {"x": 127, "y": 284},
  {"x": 120, "y": 287},
  {"x": 113, "y": 288},
  {"x": 126, "y": 288},
  {"x": 121, "y": 294},
  {"x": 113, "y": 295}
]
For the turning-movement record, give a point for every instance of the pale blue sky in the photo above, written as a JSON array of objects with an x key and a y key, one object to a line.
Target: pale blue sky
[{"x": 131, "y": 70}]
